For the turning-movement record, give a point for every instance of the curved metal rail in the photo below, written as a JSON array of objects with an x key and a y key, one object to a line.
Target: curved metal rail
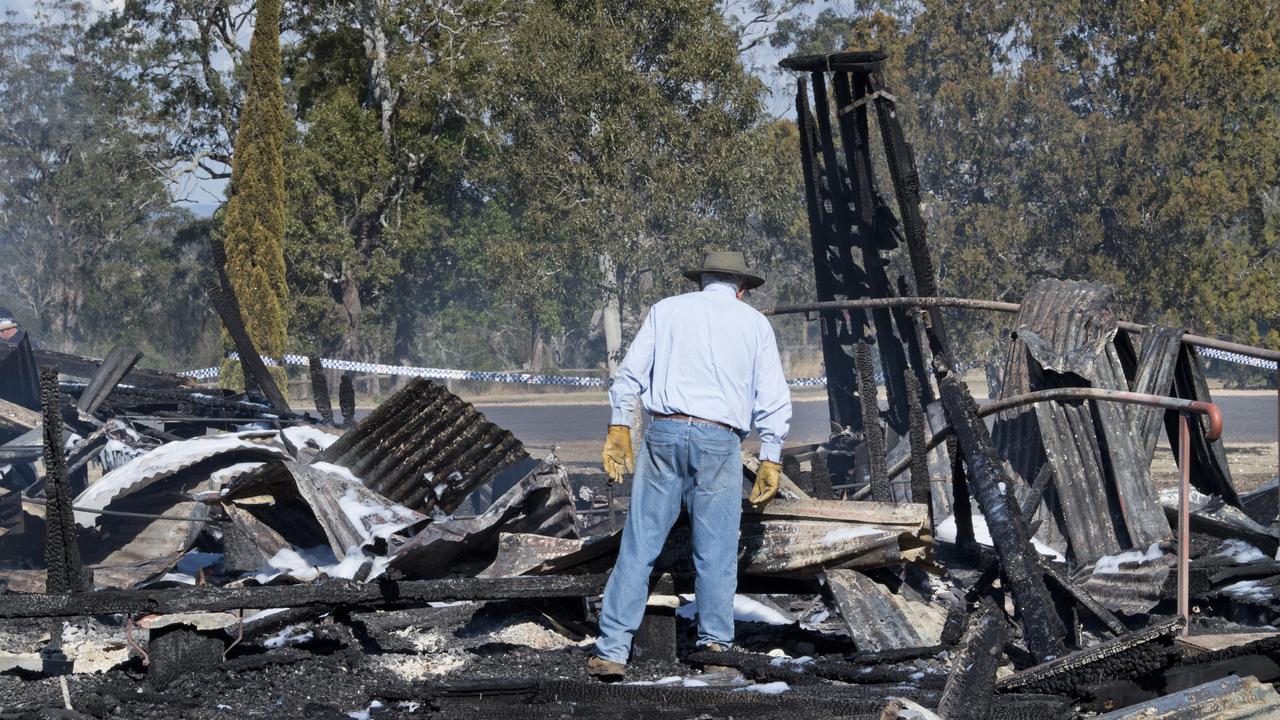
[{"x": 1005, "y": 307}]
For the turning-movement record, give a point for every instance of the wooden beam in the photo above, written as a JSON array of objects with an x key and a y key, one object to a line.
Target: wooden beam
[{"x": 330, "y": 593}]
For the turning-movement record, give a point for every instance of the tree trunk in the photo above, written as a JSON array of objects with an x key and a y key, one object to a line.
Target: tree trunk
[
  {"x": 611, "y": 315},
  {"x": 349, "y": 290},
  {"x": 536, "y": 345},
  {"x": 380, "y": 93}
]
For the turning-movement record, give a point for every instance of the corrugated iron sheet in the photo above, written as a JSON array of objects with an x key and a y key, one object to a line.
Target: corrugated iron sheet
[
  {"x": 1102, "y": 498},
  {"x": 425, "y": 447},
  {"x": 1231, "y": 697},
  {"x": 541, "y": 504},
  {"x": 879, "y": 620},
  {"x": 1134, "y": 587}
]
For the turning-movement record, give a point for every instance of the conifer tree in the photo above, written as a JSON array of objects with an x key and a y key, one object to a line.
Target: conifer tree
[{"x": 255, "y": 213}]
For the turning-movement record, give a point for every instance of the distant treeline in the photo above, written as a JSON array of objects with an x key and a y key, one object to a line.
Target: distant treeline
[{"x": 499, "y": 183}]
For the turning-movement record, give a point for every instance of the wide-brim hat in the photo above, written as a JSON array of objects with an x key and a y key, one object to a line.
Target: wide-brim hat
[{"x": 728, "y": 262}]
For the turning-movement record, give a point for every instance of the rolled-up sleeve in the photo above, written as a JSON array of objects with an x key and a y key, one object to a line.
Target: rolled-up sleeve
[
  {"x": 772, "y": 408},
  {"x": 633, "y": 374}
]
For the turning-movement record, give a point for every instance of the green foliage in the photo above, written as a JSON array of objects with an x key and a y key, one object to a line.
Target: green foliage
[
  {"x": 1135, "y": 143},
  {"x": 253, "y": 225},
  {"x": 631, "y": 131},
  {"x": 87, "y": 246}
]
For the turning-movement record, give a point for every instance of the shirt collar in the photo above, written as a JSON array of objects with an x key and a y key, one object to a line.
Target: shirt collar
[{"x": 721, "y": 288}]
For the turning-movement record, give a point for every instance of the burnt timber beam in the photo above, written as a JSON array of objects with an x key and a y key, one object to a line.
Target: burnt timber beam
[
  {"x": 330, "y": 593},
  {"x": 64, "y": 572},
  {"x": 972, "y": 682},
  {"x": 842, "y": 399},
  {"x": 993, "y": 488},
  {"x": 873, "y": 435},
  {"x": 919, "y": 456},
  {"x": 228, "y": 309},
  {"x": 872, "y": 232},
  {"x": 114, "y": 368},
  {"x": 320, "y": 389},
  {"x": 1129, "y": 655}
]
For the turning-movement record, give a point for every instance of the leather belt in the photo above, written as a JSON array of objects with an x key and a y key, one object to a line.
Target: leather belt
[{"x": 690, "y": 418}]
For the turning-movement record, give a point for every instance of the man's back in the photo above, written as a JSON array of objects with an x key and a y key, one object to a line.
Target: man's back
[
  {"x": 705, "y": 350},
  {"x": 707, "y": 355}
]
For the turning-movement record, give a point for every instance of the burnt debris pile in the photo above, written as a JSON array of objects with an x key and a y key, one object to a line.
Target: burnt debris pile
[{"x": 173, "y": 550}]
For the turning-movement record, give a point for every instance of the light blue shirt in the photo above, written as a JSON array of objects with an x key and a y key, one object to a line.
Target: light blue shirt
[{"x": 711, "y": 356}]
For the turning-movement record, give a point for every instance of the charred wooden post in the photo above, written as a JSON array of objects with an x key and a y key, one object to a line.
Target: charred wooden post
[
  {"x": 920, "y": 489},
  {"x": 347, "y": 400},
  {"x": 906, "y": 185},
  {"x": 961, "y": 507},
  {"x": 228, "y": 309},
  {"x": 872, "y": 232},
  {"x": 655, "y": 639},
  {"x": 821, "y": 477},
  {"x": 842, "y": 400},
  {"x": 1009, "y": 533},
  {"x": 873, "y": 436},
  {"x": 61, "y": 552},
  {"x": 320, "y": 389},
  {"x": 971, "y": 685},
  {"x": 115, "y": 366}
]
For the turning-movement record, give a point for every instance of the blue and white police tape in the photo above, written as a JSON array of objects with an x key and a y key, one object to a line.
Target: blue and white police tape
[
  {"x": 366, "y": 368},
  {"x": 1237, "y": 358}
]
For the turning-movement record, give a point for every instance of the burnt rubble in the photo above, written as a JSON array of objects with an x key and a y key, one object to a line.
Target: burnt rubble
[{"x": 174, "y": 550}]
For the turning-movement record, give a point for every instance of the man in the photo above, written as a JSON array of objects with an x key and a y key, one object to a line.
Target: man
[
  {"x": 8, "y": 326},
  {"x": 705, "y": 365}
]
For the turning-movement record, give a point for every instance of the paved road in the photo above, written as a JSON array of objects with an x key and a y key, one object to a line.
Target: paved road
[{"x": 1246, "y": 419}]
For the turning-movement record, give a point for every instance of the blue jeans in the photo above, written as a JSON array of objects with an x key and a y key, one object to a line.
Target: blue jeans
[{"x": 700, "y": 465}]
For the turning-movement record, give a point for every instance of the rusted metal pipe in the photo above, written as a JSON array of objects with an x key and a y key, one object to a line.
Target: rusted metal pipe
[
  {"x": 1123, "y": 396},
  {"x": 1005, "y": 307}
]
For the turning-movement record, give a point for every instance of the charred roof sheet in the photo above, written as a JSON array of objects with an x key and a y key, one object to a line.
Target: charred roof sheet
[
  {"x": 425, "y": 447},
  {"x": 1102, "y": 496}
]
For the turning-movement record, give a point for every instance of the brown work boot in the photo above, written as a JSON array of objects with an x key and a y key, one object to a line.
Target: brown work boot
[
  {"x": 716, "y": 647},
  {"x": 606, "y": 670}
]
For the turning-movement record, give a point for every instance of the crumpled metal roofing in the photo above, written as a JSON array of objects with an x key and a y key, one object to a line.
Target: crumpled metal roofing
[
  {"x": 1101, "y": 497},
  {"x": 350, "y": 515},
  {"x": 170, "y": 459},
  {"x": 541, "y": 503}
]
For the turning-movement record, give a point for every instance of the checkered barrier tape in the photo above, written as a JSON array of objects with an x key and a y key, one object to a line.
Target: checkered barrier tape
[
  {"x": 211, "y": 373},
  {"x": 1237, "y": 358},
  {"x": 366, "y": 368}
]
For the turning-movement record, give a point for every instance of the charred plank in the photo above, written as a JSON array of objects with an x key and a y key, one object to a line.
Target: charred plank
[
  {"x": 323, "y": 594},
  {"x": 64, "y": 572},
  {"x": 1009, "y": 533}
]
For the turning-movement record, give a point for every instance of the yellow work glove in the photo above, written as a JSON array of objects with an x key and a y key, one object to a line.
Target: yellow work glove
[
  {"x": 617, "y": 453},
  {"x": 768, "y": 476}
]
